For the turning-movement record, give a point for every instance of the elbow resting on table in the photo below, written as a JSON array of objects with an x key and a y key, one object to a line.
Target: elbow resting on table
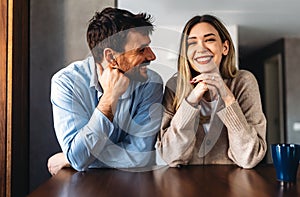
[
  {"x": 77, "y": 165},
  {"x": 251, "y": 162}
]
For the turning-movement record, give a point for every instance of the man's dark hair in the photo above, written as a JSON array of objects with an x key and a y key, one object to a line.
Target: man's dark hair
[{"x": 109, "y": 29}]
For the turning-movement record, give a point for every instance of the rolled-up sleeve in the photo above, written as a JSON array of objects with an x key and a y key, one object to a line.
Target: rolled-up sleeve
[{"x": 78, "y": 133}]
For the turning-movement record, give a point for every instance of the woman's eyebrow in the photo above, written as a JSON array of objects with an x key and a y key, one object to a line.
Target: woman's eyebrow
[
  {"x": 210, "y": 34},
  {"x": 192, "y": 37},
  {"x": 206, "y": 35}
]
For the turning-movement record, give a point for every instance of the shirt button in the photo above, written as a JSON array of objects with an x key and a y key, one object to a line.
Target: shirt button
[{"x": 208, "y": 142}]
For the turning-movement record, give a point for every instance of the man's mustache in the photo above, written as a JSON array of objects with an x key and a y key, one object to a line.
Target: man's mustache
[{"x": 145, "y": 63}]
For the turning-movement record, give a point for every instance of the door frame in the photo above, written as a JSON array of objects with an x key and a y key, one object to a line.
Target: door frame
[
  {"x": 14, "y": 102},
  {"x": 4, "y": 162}
]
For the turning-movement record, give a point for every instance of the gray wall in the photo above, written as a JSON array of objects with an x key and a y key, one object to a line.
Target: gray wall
[
  {"x": 289, "y": 48},
  {"x": 292, "y": 73},
  {"x": 57, "y": 37}
]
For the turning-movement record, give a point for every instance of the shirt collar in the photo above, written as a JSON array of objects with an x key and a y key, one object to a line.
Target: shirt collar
[
  {"x": 94, "y": 75},
  {"x": 133, "y": 85}
]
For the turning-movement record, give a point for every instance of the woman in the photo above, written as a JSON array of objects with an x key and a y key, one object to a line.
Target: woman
[{"x": 213, "y": 112}]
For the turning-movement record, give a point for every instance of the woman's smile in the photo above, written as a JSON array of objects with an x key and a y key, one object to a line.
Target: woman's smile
[{"x": 203, "y": 59}]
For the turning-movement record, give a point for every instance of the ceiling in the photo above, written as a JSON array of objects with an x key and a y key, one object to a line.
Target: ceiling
[{"x": 259, "y": 22}]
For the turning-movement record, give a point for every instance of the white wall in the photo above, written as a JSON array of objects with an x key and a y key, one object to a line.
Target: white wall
[{"x": 166, "y": 37}]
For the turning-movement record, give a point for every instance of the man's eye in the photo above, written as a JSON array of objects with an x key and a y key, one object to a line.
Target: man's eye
[{"x": 142, "y": 50}]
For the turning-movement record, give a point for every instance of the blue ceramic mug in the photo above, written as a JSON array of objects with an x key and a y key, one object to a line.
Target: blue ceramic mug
[{"x": 286, "y": 161}]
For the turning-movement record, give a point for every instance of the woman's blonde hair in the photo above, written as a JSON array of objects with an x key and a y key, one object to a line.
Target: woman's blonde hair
[{"x": 227, "y": 66}]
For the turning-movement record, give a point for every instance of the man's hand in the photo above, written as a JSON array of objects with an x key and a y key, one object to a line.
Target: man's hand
[
  {"x": 114, "y": 84},
  {"x": 57, "y": 162}
]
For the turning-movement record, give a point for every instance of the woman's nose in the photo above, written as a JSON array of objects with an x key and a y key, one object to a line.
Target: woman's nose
[{"x": 201, "y": 46}]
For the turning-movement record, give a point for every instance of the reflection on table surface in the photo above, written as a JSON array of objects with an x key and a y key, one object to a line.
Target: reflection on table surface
[{"x": 211, "y": 180}]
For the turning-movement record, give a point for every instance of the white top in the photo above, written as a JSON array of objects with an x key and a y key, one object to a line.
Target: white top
[{"x": 208, "y": 109}]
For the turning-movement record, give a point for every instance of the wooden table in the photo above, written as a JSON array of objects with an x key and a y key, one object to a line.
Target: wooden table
[{"x": 212, "y": 180}]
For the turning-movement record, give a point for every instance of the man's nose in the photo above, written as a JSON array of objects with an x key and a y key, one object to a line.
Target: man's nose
[{"x": 150, "y": 56}]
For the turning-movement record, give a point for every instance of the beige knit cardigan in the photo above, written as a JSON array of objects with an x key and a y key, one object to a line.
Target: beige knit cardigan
[{"x": 237, "y": 134}]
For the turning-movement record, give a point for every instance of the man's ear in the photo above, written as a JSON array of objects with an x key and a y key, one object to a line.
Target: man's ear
[
  {"x": 108, "y": 55},
  {"x": 225, "y": 47}
]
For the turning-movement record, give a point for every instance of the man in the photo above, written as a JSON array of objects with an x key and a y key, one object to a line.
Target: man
[{"x": 107, "y": 108}]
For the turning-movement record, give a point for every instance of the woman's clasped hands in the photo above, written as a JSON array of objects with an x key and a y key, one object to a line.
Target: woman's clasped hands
[{"x": 213, "y": 84}]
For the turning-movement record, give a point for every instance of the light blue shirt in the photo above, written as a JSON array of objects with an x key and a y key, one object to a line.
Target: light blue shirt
[{"x": 87, "y": 137}]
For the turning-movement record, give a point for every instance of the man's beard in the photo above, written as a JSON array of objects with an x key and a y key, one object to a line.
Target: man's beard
[{"x": 138, "y": 73}]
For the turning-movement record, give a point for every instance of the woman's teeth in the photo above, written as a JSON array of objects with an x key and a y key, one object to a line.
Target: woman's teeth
[{"x": 203, "y": 60}]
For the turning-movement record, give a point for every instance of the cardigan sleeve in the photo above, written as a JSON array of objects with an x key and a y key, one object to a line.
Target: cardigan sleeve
[
  {"x": 177, "y": 136},
  {"x": 245, "y": 122}
]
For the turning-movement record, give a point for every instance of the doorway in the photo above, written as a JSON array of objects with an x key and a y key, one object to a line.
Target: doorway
[{"x": 274, "y": 102}]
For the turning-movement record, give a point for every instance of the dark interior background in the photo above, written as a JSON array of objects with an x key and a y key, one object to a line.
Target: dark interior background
[{"x": 57, "y": 37}]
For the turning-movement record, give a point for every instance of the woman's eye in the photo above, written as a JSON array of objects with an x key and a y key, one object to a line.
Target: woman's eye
[
  {"x": 191, "y": 43},
  {"x": 210, "y": 40}
]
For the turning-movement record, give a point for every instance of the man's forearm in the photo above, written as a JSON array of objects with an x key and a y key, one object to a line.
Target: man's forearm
[{"x": 107, "y": 105}]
